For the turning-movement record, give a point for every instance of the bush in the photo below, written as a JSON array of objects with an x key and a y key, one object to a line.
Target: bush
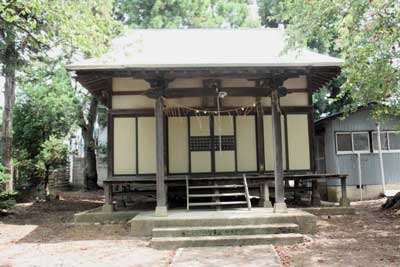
[{"x": 6, "y": 196}]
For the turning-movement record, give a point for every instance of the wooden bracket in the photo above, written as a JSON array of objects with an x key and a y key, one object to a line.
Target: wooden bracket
[
  {"x": 275, "y": 82},
  {"x": 158, "y": 87},
  {"x": 212, "y": 83}
]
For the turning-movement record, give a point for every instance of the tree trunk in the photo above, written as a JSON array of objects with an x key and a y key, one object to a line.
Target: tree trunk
[
  {"x": 392, "y": 202},
  {"x": 46, "y": 184},
  {"x": 90, "y": 169},
  {"x": 10, "y": 62}
]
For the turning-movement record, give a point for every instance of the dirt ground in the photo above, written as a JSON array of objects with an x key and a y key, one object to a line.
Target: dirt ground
[
  {"x": 369, "y": 238},
  {"x": 42, "y": 235}
]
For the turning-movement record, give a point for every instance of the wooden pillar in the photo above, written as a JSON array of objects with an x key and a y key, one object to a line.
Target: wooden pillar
[
  {"x": 110, "y": 144},
  {"x": 344, "y": 201},
  {"x": 260, "y": 136},
  {"x": 280, "y": 205},
  {"x": 108, "y": 201},
  {"x": 315, "y": 196},
  {"x": 108, "y": 204},
  {"x": 161, "y": 209}
]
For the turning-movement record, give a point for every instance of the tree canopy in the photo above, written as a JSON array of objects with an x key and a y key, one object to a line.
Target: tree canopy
[
  {"x": 42, "y": 31},
  {"x": 184, "y": 13},
  {"x": 266, "y": 10},
  {"x": 84, "y": 26},
  {"x": 365, "y": 33},
  {"x": 45, "y": 109}
]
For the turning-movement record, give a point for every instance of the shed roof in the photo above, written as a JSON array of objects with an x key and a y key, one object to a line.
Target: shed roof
[{"x": 191, "y": 48}]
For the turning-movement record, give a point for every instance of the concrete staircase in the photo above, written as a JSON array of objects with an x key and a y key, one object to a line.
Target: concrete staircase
[{"x": 225, "y": 235}]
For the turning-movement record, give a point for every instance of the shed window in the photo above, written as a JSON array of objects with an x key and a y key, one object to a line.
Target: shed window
[
  {"x": 344, "y": 143},
  {"x": 390, "y": 141},
  {"x": 394, "y": 140},
  {"x": 352, "y": 142},
  {"x": 361, "y": 142}
]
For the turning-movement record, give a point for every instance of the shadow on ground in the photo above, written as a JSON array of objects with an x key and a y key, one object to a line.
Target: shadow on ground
[{"x": 49, "y": 222}]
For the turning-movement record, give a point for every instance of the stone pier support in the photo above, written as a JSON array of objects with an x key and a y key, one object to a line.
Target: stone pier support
[{"x": 264, "y": 201}]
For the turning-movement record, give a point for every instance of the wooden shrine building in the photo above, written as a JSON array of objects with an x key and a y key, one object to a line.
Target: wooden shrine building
[{"x": 207, "y": 103}]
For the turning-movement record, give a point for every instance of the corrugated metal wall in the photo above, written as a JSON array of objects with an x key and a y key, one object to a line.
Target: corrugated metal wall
[{"x": 360, "y": 121}]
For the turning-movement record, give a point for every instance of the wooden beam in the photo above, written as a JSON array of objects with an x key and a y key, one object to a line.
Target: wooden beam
[
  {"x": 136, "y": 92},
  {"x": 290, "y": 109},
  {"x": 204, "y": 91},
  {"x": 265, "y": 110},
  {"x": 231, "y": 91},
  {"x": 207, "y": 72},
  {"x": 133, "y": 112}
]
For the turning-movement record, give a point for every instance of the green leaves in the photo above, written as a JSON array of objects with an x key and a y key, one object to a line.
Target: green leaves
[
  {"x": 6, "y": 196},
  {"x": 53, "y": 154},
  {"x": 365, "y": 33},
  {"x": 184, "y": 13},
  {"x": 37, "y": 26},
  {"x": 45, "y": 110}
]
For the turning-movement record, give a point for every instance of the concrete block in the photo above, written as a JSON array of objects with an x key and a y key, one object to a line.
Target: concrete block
[
  {"x": 235, "y": 240},
  {"x": 143, "y": 224},
  {"x": 108, "y": 208},
  {"x": 258, "y": 229},
  {"x": 161, "y": 211},
  {"x": 99, "y": 216},
  {"x": 248, "y": 256},
  {"x": 280, "y": 208}
]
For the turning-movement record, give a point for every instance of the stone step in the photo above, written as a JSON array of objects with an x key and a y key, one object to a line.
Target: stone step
[
  {"x": 217, "y": 203},
  {"x": 229, "y": 240},
  {"x": 259, "y": 229},
  {"x": 143, "y": 223}
]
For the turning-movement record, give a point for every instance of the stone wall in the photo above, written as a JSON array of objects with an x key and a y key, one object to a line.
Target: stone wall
[{"x": 77, "y": 171}]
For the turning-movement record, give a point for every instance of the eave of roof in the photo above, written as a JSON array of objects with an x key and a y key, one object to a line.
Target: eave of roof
[
  {"x": 75, "y": 67},
  {"x": 339, "y": 114}
]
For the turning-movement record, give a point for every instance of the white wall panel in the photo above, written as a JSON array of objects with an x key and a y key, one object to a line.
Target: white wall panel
[
  {"x": 298, "y": 141},
  {"x": 178, "y": 148},
  {"x": 124, "y": 146},
  {"x": 147, "y": 145},
  {"x": 246, "y": 143}
]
